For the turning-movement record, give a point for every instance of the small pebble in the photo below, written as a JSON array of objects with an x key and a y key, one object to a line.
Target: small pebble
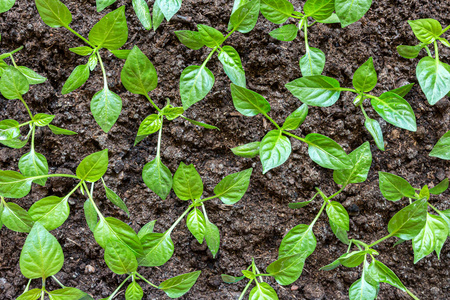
[
  {"x": 294, "y": 287},
  {"x": 89, "y": 269}
]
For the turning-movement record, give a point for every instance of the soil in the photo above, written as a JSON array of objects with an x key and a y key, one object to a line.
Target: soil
[{"x": 254, "y": 226}]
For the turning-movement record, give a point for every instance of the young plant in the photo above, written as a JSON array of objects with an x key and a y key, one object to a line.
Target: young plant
[
  {"x": 275, "y": 148},
  {"x": 433, "y": 75},
  {"x": 442, "y": 147},
  {"x": 279, "y": 11},
  {"x": 262, "y": 290},
  {"x": 139, "y": 77},
  {"x": 323, "y": 91},
  {"x": 197, "y": 81},
  {"x": 110, "y": 33}
]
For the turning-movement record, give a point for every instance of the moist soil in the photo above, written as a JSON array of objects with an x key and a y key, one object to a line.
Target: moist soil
[{"x": 255, "y": 226}]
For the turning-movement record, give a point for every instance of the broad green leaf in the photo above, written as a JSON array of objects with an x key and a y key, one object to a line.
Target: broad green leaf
[
  {"x": 57, "y": 130},
  {"x": 147, "y": 228},
  {"x": 42, "y": 120},
  {"x": 34, "y": 164},
  {"x": 6, "y": 5},
  {"x": 201, "y": 124},
  {"x": 9, "y": 129},
  {"x": 195, "y": 84},
  {"x": 365, "y": 78},
  {"x": 54, "y": 13},
  {"x": 68, "y": 293},
  {"x": 196, "y": 224},
  {"x": 142, "y": 12},
  {"x": 425, "y": 192},
  {"x": 212, "y": 237},
  {"x": 102, "y": 4},
  {"x": 426, "y": 30},
  {"x": 287, "y": 269},
  {"x": 249, "y": 150},
  {"x": 433, "y": 77},
  {"x": 375, "y": 131},
  {"x": 83, "y": 51},
  {"x": 179, "y": 285},
  {"x": 299, "y": 240},
  {"x": 351, "y": 11},
  {"x": 394, "y": 187},
  {"x": 106, "y": 107},
  {"x": 134, "y": 291},
  {"x": 119, "y": 258},
  {"x": 395, "y": 110},
  {"x": 276, "y": 11},
  {"x": 313, "y": 62},
  {"x": 285, "y": 33},
  {"x": 232, "y": 65},
  {"x": 245, "y": 17},
  {"x": 338, "y": 215},
  {"x": 409, "y": 221},
  {"x": 361, "y": 158},
  {"x": 362, "y": 290},
  {"x": 340, "y": 233},
  {"x": 262, "y": 291},
  {"x": 319, "y": 9},
  {"x": 211, "y": 37},
  {"x": 111, "y": 32},
  {"x": 248, "y": 274},
  {"x": 274, "y": 150},
  {"x": 50, "y": 211},
  {"x": 158, "y": 16},
  {"x": 76, "y": 79},
  {"x": 13, "y": 84},
  {"x": 138, "y": 74},
  {"x": 115, "y": 199},
  {"x": 315, "y": 90},
  {"x": 41, "y": 255},
  {"x": 432, "y": 237},
  {"x": 381, "y": 273},
  {"x": 409, "y": 52},
  {"x": 121, "y": 54},
  {"x": 233, "y": 187},
  {"x": 33, "y": 294},
  {"x": 158, "y": 249},
  {"x": 352, "y": 259},
  {"x": 442, "y": 147},
  {"x": 331, "y": 19},
  {"x": 14, "y": 185},
  {"x": 90, "y": 214},
  {"x": 158, "y": 177},
  {"x": 168, "y": 7},
  {"x": 150, "y": 125},
  {"x": 331, "y": 266},
  {"x": 231, "y": 279},
  {"x": 327, "y": 153},
  {"x": 440, "y": 187},
  {"x": 403, "y": 90},
  {"x": 93, "y": 166},
  {"x": 31, "y": 76},
  {"x": 16, "y": 218},
  {"x": 248, "y": 102},
  {"x": 187, "y": 183},
  {"x": 171, "y": 113},
  {"x": 191, "y": 39},
  {"x": 16, "y": 143}
]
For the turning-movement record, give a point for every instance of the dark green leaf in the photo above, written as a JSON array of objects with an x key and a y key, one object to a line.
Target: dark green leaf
[
  {"x": 403, "y": 90},
  {"x": 395, "y": 110},
  {"x": 365, "y": 78},
  {"x": 147, "y": 228},
  {"x": 106, "y": 107},
  {"x": 327, "y": 153},
  {"x": 204, "y": 125},
  {"x": 440, "y": 187},
  {"x": 340, "y": 233},
  {"x": 245, "y": 17},
  {"x": 275, "y": 150},
  {"x": 338, "y": 215},
  {"x": 361, "y": 158},
  {"x": 249, "y": 150},
  {"x": 93, "y": 167},
  {"x": 158, "y": 177},
  {"x": 409, "y": 221},
  {"x": 187, "y": 183},
  {"x": 287, "y": 269},
  {"x": 231, "y": 279},
  {"x": 158, "y": 249},
  {"x": 409, "y": 52},
  {"x": 13, "y": 84},
  {"x": 299, "y": 204},
  {"x": 111, "y": 32},
  {"x": 232, "y": 65},
  {"x": 351, "y": 11},
  {"x": 433, "y": 77},
  {"x": 212, "y": 237},
  {"x": 191, "y": 39},
  {"x": 14, "y": 185},
  {"x": 331, "y": 266},
  {"x": 315, "y": 90},
  {"x": 276, "y": 11},
  {"x": 313, "y": 62},
  {"x": 352, "y": 259},
  {"x": 31, "y": 76},
  {"x": 119, "y": 258},
  {"x": 138, "y": 74},
  {"x": 285, "y": 33},
  {"x": 90, "y": 214},
  {"x": 394, "y": 187},
  {"x": 179, "y": 285},
  {"x": 211, "y": 37},
  {"x": 57, "y": 130},
  {"x": 54, "y": 13},
  {"x": 375, "y": 130},
  {"x": 115, "y": 199},
  {"x": 76, "y": 79},
  {"x": 195, "y": 84},
  {"x": 196, "y": 224},
  {"x": 233, "y": 187},
  {"x": 50, "y": 211},
  {"x": 381, "y": 273},
  {"x": 442, "y": 147},
  {"x": 16, "y": 218},
  {"x": 248, "y": 102}
]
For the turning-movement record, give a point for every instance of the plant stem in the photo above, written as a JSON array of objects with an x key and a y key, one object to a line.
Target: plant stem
[
  {"x": 364, "y": 112},
  {"x": 52, "y": 175},
  {"x": 295, "y": 137},
  {"x": 347, "y": 90},
  {"x": 118, "y": 288},
  {"x": 178, "y": 220},
  {"x": 434, "y": 208},
  {"x": 79, "y": 35},
  {"x": 337, "y": 193},
  {"x": 412, "y": 295},
  {"x": 12, "y": 59},
  {"x": 105, "y": 80},
  {"x": 436, "y": 52},
  {"x": 143, "y": 278},
  {"x": 57, "y": 281},
  {"x": 305, "y": 26},
  {"x": 43, "y": 289},
  {"x": 206, "y": 199},
  {"x": 33, "y": 130},
  {"x": 245, "y": 290},
  {"x": 428, "y": 51},
  {"x": 158, "y": 147},
  {"x": 153, "y": 103},
  {"x": 445, "y": 29},
  {"x": 29, "y": 281},
  {"x": 92, "y": 200},
  {"x": 16, "y": 50},
  {"x": 26, "y": 106},
  {"x": 380, "y": 240},
  {"x": 318, "y": 214},
  {"x": 26, "y": 123},
  {"x": 271, "y": 120}
]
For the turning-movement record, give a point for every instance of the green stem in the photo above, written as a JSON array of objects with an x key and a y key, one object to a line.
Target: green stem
[
  {"x": 271, "y": 120},
  {"x": 209, "y": 57},
  {"x": 143, "y": 278},
  {"x": 105, "y": 80},
  {"x": 26, "y": 123},
  {"x": 153, "y": 103},
  {"x": 118, "y": 288},
  {"x": 364, "y": 112},
  {"x": 43, "y": 289},
  {"x": 53, "y": 175},
  {"x": 26, "y": 106},
  {"x": 16, "y": 50},
  {"x": 436, "y": 52},
  {"x": 12, "y": 59},
  {"x": 92, "y": 200},
  {"x": 178, "y": 220},
  {"x": 245, "y": 290},
  {"x": 29, "y": 281},
  {"x": 445, "y": 29},
  {"x": 434, "y": 208},
  {"x": 297, "y": 17},
  {"x": 57, "y": 281},
  {"x": 158, "y": 147},
  {"x": 229, "y": 34},
  {"x": 204, "y": 212},
  {"x": 380, "y": 240},
  {"x": 318, "y": 214},
  {"x": 206, "y": 199},
  {"x": 337, "y": 193},
  {"x": 428, "y": 51},
  {"x": 412, "y": 295},
  {"x": 295, "y": 137},
  {"x": 348, "y": 90},
  {"x": 305, "y": 26},
  {"x": 33, "y": 130},
  {"x": 79, "y": 35}
]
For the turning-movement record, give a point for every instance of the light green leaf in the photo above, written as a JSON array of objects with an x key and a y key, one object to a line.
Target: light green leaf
[
  {"x": 54, "y": 13},
  {"x": 362, "y": 290},
  {"x": 245, "y": 17},
  {"x": 432, "y": 237},
  {"x": 34, "y": 164},
  {"x": 313, "y": 62},
  {"x": 442, "y": 147},
  {"x": 102, "y": 4},
  {"x": 9, "y": 129},
  {"x": 340, "y": 233},
  {"x": 57, "y": 130},
  {"x": 90, "y": 214},
  {"x": 16, "y": 218},
  {"x": 232, "y": 65},
  {"x": 409, "y": 221},
  {"x": 365, "y": 78},
  {"x": 351, "y": 11},
  {"x": 150, "y": 125},
  {"x": 158, "y": 177},
  {"x": 319, "y": 9},
  {"x": 275, "y": 150},
  {"x": 330, "y": 20},
  {"x": 231, "y": 279},
  {"x": 315, "y": 90},
  {"x": 147, "y": 228},
  {"x": 287, "y": 269},
  {"x": 33, "y": 294},
  {"x": 138, "y": 74},
  {"x": 106, "y": 107},
  {"x": 352, "y": 259},
  {"x": 93, "y": 166},
  {"x": 92, "y": 62},
  {"x": 249, "y": 150},
  {"x": 14, "y": 185},
  {"x": 158, "y": 16},
  {"x": 158, "y": 249},
  {"x": 76, "y": 79},
  {"x": 211, "y": 37},
  {"x": 201, "y": 124},
  {"x": 299, "y": 240},
  {"x": 31, "y": 76},
  {"x": 6, "y": 5},
  {"x": 248, "y": 102},
  {"x": 212, "y": 237},
  {"x": 285, "y": 33},
  {"x": 171, "y": 113},
  {"x": 121, "y": 54},
  {"x": 134, "y": 291},
  {"x": 168, "y": 7},
  {"x": 68, "y": 293},
  {"x": 361, "y": 158},
  {"x": 394, "y": 187},
  {"x": 395, "y": 110},
  {"x": 13, "y": 84},
  {"x": 111, "y": 32},
  {"x": 276, "y": 11},
  {"x": 196, "y": 224},
  {"x": 440, "y": 187},
  {"x": 375, "y": 130},
  {"x": 262, "y": 291},
  {"x": 424, "y": 193},
  {"x": 119, "y": 258},
  {"x": 115, "y": 199},
  {"x": 195, "y": 84},
  {"x": 297, "y": 205},
  {"x": 191, "y": 39},
  {"x": 426, "y": 30},
  {"x": 42, "y": 120},
  {"x": 187, "y": 183},
  {"x": 433, "y": 76},
  {"x": 233, "y": 187},
  {"x": 179, "y": 285},
  {"x": 403, "y": 90},
  {"x": 327, "y": 153},
  {"x": 142, "y": 12},
  {"x": 50, "y": 211},
  {"x": 381, "y": 273},
  {"x": 15, "y": 143},
  {"x": 409, "y": 52},
  {"x": 83, "y": 51},
  {"x": 338, "y": 215}
]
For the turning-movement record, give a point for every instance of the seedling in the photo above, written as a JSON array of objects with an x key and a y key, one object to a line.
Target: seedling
[
  {"x": 161, "y": 9},
  {"x": 442, "y": 147},
  {"x": 279, "y": 11},
  {"x": 110, "y": 33},
  {"x": 139, "y": 77},
  {"x": 275, "y": 148},
  {"x": 433, "y": 74},
  {"x": 197, "y": 81},
  {"x": 323, "y": 91}
]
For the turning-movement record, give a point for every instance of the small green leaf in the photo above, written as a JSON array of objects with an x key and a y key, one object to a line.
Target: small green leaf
[
  {"x": 426, "y": 30},
  {"x": 327, "y": 153},
  {"x": 233, "y": 187},
  {"x": 375, "y": 130},
  {"x": 403, "y": 90},
  {"x": 68, "y": 293},
  {"x": 93, "y": 167},
  {"x": 338, "y": 215},
  {"x": 351, "y": 11},
  {"x": 158, "y": 249},
  {"x": 409, "y": 52},
  {"x": 191, "y": 39},
  {"x": 299, "y": 204},
  {"x": 187, "y": 183},
  {"x": 440, "y": 187},
  {"x": 134, "y": 291},
  {"x": 313, "y": 62},
  {"x": 395, "y": 110},
  {"x": 317, "y": 90},
  {"x": 138, "y": 74},
  {"x": 90, "y": 214},
  {"x": 142, "y": 12},
  {"x": 262, "y": 291},
  {"x": 57, "y": 130},
  {"x": 433, "y": 76},
  {"x": 299, "y": 240},
  {"x": 158, "y": 16},
  {"x": 361, "y": 158},
  {"x": 119, "y": 258},
  {"x": 31, "y": 76},
  {"x": 54, "y": 13},
  {"x": 92, "y": 62},
  {"x": 248, "y": 102},
  {"x": 352, "y": 259},
  {"x": 409, "y": 221},
  {"x": 13, "y": 84},
  {"x": 115, "y": 199},
  {"x": 6, "y": 5},
  {"x": 285, "y": 33},
  {"x": 14, "y": 185},
  {"x": 42, "y": 120},
  {"x": 287, "y": 269},
  {"x": 365, "y": 78},
  {"x": 331, "y": 266},
  {"x": 424, "y": 193},
  {"x": 50, "y": 211},
  {"x": 147, "y": 228},
  {"x": 362, "y": 290},
  {"x": 381, "y": 273},
  {"x": 232, "y": 65},
  {"x": 179, "y": 285},
  {"x": 340, "y": 233},
  {"x": 33, "y": 294},
  {"x": 168, "y": 7},
  {"x": 212, "y": 237},
  {"x": 111, "y": 32},
  {"x": 195, "y": 84},
  {"x": 106, "y": 107},
  {"x": 171, "y": 113},
  {"x": 15, "y": 143},
  {"x": 276, "y": 11},
  {"x": 83, "y": 51},
  {"x": 102, "y": 4},
  {"x": 319, "y": 9},
  {"x": 432, "y": 237},
  {"x": 331, "y": 19},
  {"x": 196, "y": 224},
  {"x": 158, "y": 177},
  {"x": 16, "y": 218},
  {"x": 150, "y": 125},
  {"x": 231, "y": 279},
  {"x": 211, "y": 37},
  {"x": 394, "y": 187},
  {"x": 249, "y": 150},
  {"x": 245, "y": 17},
  {"x": 34, "y": 164},
  {"x": 9, "y": 129},
  {"x": 442, "y": 147},
  {"x": 275, "y": 150},
  {"x": 76, "y": 79},
  {"x": 201, "y": 124}
]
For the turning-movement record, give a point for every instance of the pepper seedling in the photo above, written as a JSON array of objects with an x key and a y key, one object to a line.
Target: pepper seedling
[
  {"x": 275, "y": 148},
  {"x": 279, "y": 11},
  {"x": 139, "y": 77},
  {"x": 197, "y": 81},
  {"x": 323, "y": 91},
  {"x": 110, "y": 33},
  {"x": 433, "y": 74},
  {"x": 442, "y": 147}
]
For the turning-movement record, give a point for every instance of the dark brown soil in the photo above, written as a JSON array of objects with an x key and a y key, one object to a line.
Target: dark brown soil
[{"x": 254, "y": 226}]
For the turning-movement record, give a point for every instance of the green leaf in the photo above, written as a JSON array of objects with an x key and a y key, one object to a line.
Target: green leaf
[
  {"x": 409, "y": 52},
  {"x": 42, "y": 120},
  {"x": 6, "y": 5},
  {"x": 158, "y": 16},
  {"x": 232, "y": 65},
  {"x": 92, "y": 62},
  {"x": 395, "y": 110},
  {"x": 150, "y": 125},
  {"x": 90, "y": 214},
  {"x": 34, "y": 164},
  {"x": 275, "y": 150},
  {"x": 233, "y": 187},
  {"x": 138, "y": 74},
  {"x": 375, "y": 131},
  {"x": 381, "y": 273},
  {"x": 169, "y": 7},
  {"x": 361, "y": 158},
  {"x": 432, "y": 237},
  {"x": 171, "y": 113},
  {"x": 315, "y": 90},
  {"x": 50, "y": 211},
  {"x": 299, "y": 240},
  {"x": 14, "y": 185},
  {"x": 440, "y": 187},
  {"x": 93, "y": 166},
  {"x": 352, "y": 259},
  {"x": 187, "y": 183},
  {"x": 13, "y": 84},
  {"x": 31, "y": 76},
  {"x": 106, "y": 107},
  {"x": 362, "y": 290},
  {"x": 211, "y": 37},
  {"x": 319, "y": 9},
  {"x": 68, "y": 293},
  {"x": 299, "y": 204},
  {"x": 147, "y": 228},
  {"x": 231, "y": 279},
  {"x": 394, "y": 187},
  {"x": 158, "y": 249},
  {"x": 331, "y": 266},
  {"x": 285, "y": 33},
  {"x": 179, "y": 285},
  {"x": 248, "y": 102},
  {"x": 15, "y": 143},
  {"x": 111, "y": 32},
  {"x": 249, "y": 150},
  {"x": 16, "y": 218},
  {"x": 54, "y": 13},
  {"x": 196, "y": 224},
  {"x": 313, "y": 62},
  {"x": 365, "y": 78},
  {"x": 276, "y": 11},
  {"x": 426, "y": 30},
  {"x": 245, "y": 17},
  {"x": 195, "y": 84},
  {"x": 57, "y": 130},
  {"x": 33, "y": 294},
  {"x": 83, "y": 51},
  {"x": 403, "y": 90},
  {"x": 134, "y": 291},
  {"x": 287, "y": 269},
  {"x": 191, "y": 39},
  {"x": 115, "y": 199},
  {"x": 204, "y": 125},
  {"x": 327, "y": 153},
  {"x": 340, "y": 233},
  {"x": 142, "y": 12},
  {"x": 248, "y": 274},
  {"x": 351, "y": 11},
  {"x": 330, "y": 20},
  {"x": 338, "y": 215},
  {"x": 442, "y": 147},
  {"x": 119, "y": 258},
  {"x": 102, "y": 4},
  {"x": 262, "y": 291},
  {"x": 41, "y": 255},
  {"x": 76, "y": 79},
  {"x": 409, "y": 221},
  {"x": 212, "y": 237},
  {"x": 433, "y": 76},
  {"x": 424, "y": 193},
  {"x": 158, "y": 177},
  {"x": 9, "y": 129}
]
